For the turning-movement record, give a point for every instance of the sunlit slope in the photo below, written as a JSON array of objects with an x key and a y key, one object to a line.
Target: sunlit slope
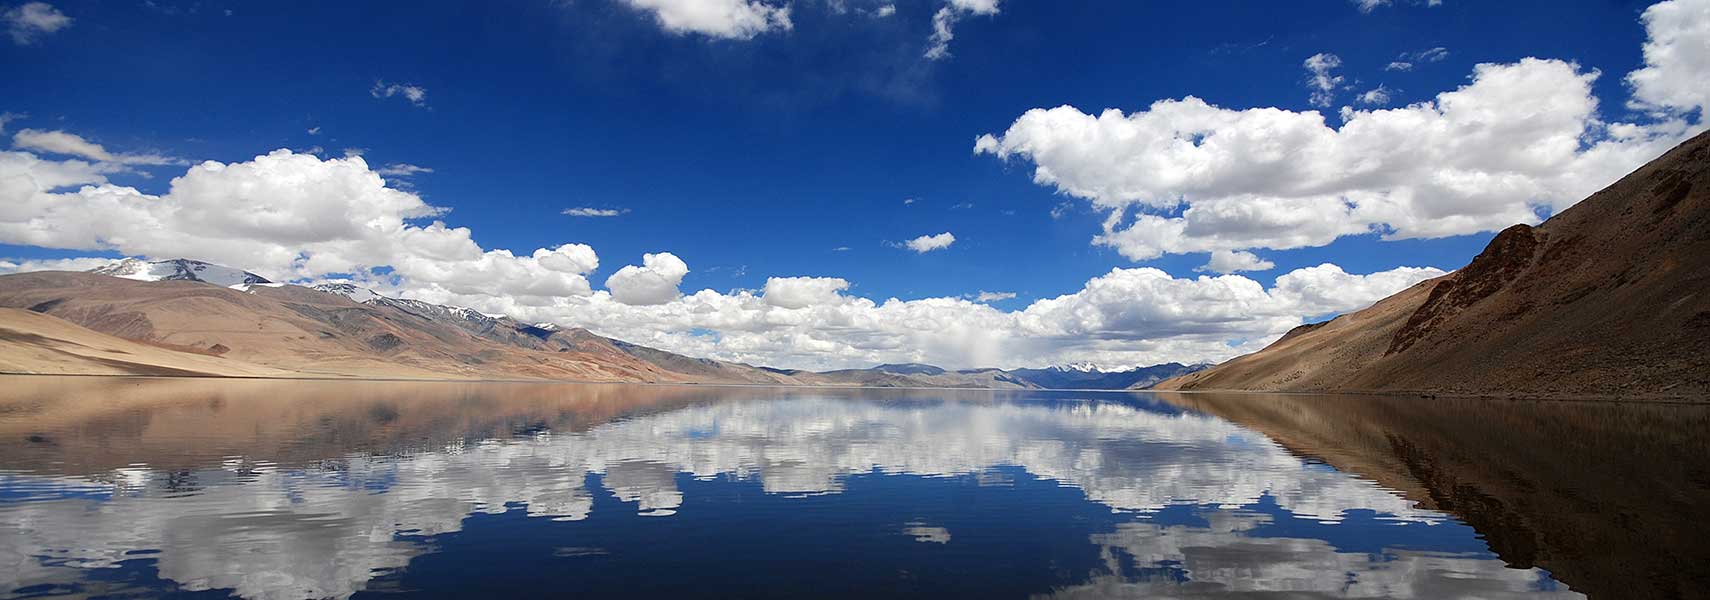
[
  {"x": 308, "y": 332},
  {"x": 1609, "y": 298},
  {"x": 37, "y": 343}
]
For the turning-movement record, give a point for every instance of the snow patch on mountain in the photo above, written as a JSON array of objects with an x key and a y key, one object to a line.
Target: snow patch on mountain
[
  {"x": 1080, "y": 367},
  {"x": 357, "y": 294},
  {"x": 249, "y": 288},
  {"x": 362, "y": 295},
  {"x": 179, "y": 269}
]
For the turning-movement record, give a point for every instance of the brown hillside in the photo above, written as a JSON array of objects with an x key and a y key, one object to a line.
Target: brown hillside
[
  {"x": 197, "y": 328},
  {"x": 1610, "y": 298},
  {"x": 36, "y": 343},
  {"x": 311, "y": 333}
]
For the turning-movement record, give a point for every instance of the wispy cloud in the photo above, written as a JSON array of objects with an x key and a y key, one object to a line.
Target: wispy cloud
[
  {"x": 1321, "y": 80},
  {"x": 416, "y": 94},
  {"x": 985, "y": 296},
  {"x": 402, "y": 170},
  {"x": 1367, "y": 6},
  {"x": 8, "y": 117},
  {"x": 1062, "y": 209},
  {"x": 30, "y": 21},
  {"x": 61, "y": 142},
  {"x": 944, "y": 24},
  {"x": 1377, "y": 96},
  {"x": 1406, "y": 60},
  {"x": 588, "y": 211}
]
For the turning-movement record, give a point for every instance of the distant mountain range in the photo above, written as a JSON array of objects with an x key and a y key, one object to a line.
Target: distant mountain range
[
  {"x": 1135, "y": 378},
  {"x": 188, "y": 317},
  {"x": 1609, "y": 299}
]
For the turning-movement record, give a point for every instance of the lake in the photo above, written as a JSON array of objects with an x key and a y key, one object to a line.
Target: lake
[{"x": 337, "y": 489}]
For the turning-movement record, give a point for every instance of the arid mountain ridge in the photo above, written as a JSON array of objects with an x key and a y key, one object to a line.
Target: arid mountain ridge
[
  {"x": 1608, "y": 299},
  {"x": 187, "y": 317}
]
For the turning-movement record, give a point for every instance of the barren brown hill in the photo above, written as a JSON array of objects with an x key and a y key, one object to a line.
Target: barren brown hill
[
  {"x": 78, "y": 323},
  {"x": 37, "y": 343},
  {"x": 304, "y": 332},
  {"x": 1610, "y": 298}
]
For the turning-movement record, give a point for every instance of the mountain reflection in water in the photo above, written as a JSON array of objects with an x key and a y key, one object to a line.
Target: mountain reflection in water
[{"x": 282, "y": 489}]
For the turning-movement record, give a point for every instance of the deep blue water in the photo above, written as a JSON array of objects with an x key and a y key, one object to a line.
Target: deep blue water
[{"x": 177, "y": 488}]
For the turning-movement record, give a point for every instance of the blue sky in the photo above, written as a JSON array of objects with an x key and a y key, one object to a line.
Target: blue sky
[{"x": 812, "y": 150}]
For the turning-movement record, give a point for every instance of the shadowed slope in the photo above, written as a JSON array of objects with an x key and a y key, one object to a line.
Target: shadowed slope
[{"x": 1600, "y": 494}]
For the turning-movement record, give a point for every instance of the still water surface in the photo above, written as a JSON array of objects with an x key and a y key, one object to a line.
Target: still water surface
[{"x": 280, "y": 489}]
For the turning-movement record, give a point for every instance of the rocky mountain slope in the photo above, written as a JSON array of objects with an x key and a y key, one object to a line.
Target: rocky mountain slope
[{"x": 1610, "y": 298}]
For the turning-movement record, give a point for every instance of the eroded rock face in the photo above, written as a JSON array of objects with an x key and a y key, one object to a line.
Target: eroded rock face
[{"x": 1501, "y": 263}]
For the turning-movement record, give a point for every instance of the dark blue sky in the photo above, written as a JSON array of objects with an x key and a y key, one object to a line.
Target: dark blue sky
[
  {"x": 765, "y": 153},
  {"x": 762, "y": 143}
]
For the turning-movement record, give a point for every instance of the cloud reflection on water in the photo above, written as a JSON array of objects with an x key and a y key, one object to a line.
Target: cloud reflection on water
[{"x": 327, "y": 528}]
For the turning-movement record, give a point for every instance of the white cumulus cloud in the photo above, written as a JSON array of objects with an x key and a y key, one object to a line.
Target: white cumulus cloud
[
  {"x": 654, "y": 282},
  {"x": 283, "y": 215},
  {"x": 724, "y": 19},
  {"x": 928, "y": 243},
  {"x": 1125, "y": 317},
  {"x": 803, "y": 292},
  {"x": 290, "y": 216},
  {"x": 1234, "y": 261},
  {"x": 1677, "y": 59},
  {"x": 1188, "y": 176}
]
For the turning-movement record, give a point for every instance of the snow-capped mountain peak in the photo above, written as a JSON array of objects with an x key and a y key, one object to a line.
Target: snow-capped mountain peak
[
  {"x": 362, "y": 295},
  {"x": 355, "y": 293},
  {"x": 179, "y": 269},
  {"x": 1078, "y": 367},
  {"x": 244, "y": 281}
]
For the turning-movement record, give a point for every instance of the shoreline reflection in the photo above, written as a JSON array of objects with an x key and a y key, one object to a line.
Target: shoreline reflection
[{"x": 280, "y": 490}]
